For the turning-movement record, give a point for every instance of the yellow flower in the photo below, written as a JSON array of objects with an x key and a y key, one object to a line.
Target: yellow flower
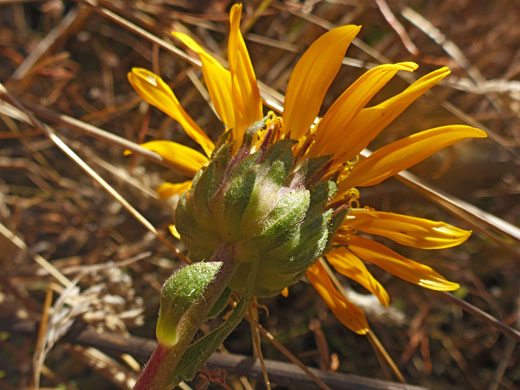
[{"x": 343, "y": 132}]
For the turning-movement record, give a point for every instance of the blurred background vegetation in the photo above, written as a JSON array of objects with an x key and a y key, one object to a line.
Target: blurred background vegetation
[{"x": 72, "y": 255}]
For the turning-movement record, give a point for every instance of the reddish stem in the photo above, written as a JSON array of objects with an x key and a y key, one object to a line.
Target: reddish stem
[{"x": 155, "y": 374}]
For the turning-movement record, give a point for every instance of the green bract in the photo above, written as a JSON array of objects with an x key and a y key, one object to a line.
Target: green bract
[{"x": 264, "y": 206}]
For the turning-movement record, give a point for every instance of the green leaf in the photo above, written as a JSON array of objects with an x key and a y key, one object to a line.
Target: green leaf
[
  {"x": 178, "y": 294},
  {"x": 220, "y": 304},
  {"x": 200, "y": 351}
]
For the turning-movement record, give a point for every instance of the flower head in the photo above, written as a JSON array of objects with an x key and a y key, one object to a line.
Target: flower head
[{"x": 283, "y": 189}]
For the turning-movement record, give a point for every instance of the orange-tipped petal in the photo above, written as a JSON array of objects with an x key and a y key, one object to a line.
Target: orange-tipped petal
[
  {"x": 405, "y": 230},
  {"x": 349, "y": 314},
  {"x": 185, "y": 159},
  {"x": 334, "y": 134},
  {"x": 156, "y": 92},
  {"x": 311, "y": 78},
  {"x": 217, "y": 78},
  {"x": 246, "y": 96},
  {"x": 409, "y": 270},
  {"x": 349, "y": 265},
  {"x": 371, "y": 121},
  {"x": 167, "y": 190},
  {"x": 403, "y": 154}
]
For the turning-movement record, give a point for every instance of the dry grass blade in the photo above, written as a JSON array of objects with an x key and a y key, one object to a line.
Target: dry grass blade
[
  {"x": 478, "y": 124},
  {"x": 253, "y": 322},
  {"x": 292, "y": 358},
  {"x": 253, "y": 19},
  {"x": 92, "y": 131},
  {"x": 487, "y": 86},
  {"x": 508, "y": 354},
  {"x": 458, "y": 55},
  {"x": 108, "y": 367},
  {"x": 481, "y": 315},
  {"x": 477, "y": 218},
  {"x": 142, "y": 33},
  {"x": 422, "y": 23},
  {"x": 397, "y": 26},
  {"x": 41, "y": 342},
  {"x": 282, "y": 373},
  {"x": 18, "y": 242},
  {"x": 85, "y": 167},
  {"x": 68, "y": 25}
]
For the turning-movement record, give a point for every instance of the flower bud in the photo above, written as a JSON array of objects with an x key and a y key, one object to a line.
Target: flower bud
[{"x": 264, "y": 206}]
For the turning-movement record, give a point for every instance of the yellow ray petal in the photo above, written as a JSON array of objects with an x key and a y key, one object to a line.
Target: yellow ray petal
[
  {"x": 349, "y": 265},
  {"x": 400, "y": 266},
  {"x": 185, "y": 159},
  {"x": 167, "y": 190},
  {"x": 334, "y": 134},
  {"x": 405, "y": 230},
  {"x": 217, "y": 78},
  {"x": 156, "y": 92},
  {"x": 349, "y": 314},
  {"x": 246, "y": 96},
  {"x": 406, "y": 152},
  {"x": 371, "y": 121},
  {"x": 174, "y": 232},
  {"x": 311, "y": 78}
]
